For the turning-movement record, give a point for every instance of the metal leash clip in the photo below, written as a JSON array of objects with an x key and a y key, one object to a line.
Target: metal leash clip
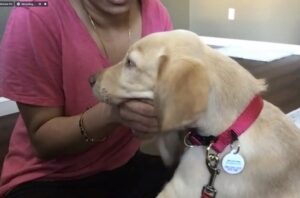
[{"x": 212, "y": 161}]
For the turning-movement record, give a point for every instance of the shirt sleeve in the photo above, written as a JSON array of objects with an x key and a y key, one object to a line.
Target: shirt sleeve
[{"x": 30, "y": 60}]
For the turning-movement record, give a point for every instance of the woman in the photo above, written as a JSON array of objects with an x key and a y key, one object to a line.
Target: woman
[{"x": 58, "y": 147}]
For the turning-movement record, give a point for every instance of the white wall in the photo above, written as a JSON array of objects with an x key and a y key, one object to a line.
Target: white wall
[
  {"x": 6, "y": 106},
  {"x": 180, "y": 12},
  {"x": 275, "y": 21},
  {"x": 4, "y": 12}
]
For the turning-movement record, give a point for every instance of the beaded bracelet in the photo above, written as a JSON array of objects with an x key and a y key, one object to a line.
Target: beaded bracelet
[{"x": 84, "y": 133}]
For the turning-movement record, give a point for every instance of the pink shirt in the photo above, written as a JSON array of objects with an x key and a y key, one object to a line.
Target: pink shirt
[{"x": 47, "y": 56}]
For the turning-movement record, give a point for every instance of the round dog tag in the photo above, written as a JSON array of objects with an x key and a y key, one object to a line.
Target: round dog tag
[{"x": 233, "y": 163}]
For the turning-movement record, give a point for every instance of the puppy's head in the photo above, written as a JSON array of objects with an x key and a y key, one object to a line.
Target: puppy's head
[{"x": 160, "y": 67}]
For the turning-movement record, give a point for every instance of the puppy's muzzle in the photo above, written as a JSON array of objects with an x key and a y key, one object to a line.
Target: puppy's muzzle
[{"x": 104, "y": 96}]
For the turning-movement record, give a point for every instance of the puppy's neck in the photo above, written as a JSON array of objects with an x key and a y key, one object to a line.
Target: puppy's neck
[
  {"x": 232, "y": 88},
  {"x": 221, "y": 113}
]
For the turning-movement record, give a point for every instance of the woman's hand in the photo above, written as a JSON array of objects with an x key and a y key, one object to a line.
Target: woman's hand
[{"x": 141, "y": 117}]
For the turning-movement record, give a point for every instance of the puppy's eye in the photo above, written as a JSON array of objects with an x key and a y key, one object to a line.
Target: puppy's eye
[{"x": 130, "y": 63}]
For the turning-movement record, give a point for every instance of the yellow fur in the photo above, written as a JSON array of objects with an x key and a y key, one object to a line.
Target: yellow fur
[{"x": 192, "y": 85}]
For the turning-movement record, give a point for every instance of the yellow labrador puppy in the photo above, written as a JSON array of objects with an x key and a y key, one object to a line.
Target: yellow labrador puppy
[{"x": 237, "y": 145}]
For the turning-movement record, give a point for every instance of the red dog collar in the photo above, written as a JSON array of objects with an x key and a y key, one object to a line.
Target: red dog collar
[{"x": 227, "y": 137}]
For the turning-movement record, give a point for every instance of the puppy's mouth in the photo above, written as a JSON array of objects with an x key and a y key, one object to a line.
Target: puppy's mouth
[{"x": 106, "y": 97}]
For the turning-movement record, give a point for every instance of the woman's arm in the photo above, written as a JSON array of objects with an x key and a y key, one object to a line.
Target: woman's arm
[{"x": 53, "y": 135}]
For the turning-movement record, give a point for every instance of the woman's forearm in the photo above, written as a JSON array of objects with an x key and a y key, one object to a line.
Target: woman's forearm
[{"x": 61, "y": 135}]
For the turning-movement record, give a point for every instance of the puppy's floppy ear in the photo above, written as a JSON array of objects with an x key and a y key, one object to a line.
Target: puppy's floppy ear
[{"x": 181, "y": 92}]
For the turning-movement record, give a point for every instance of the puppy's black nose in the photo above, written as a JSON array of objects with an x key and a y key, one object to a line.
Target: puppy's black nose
[{"x": 92, "y": 80}]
